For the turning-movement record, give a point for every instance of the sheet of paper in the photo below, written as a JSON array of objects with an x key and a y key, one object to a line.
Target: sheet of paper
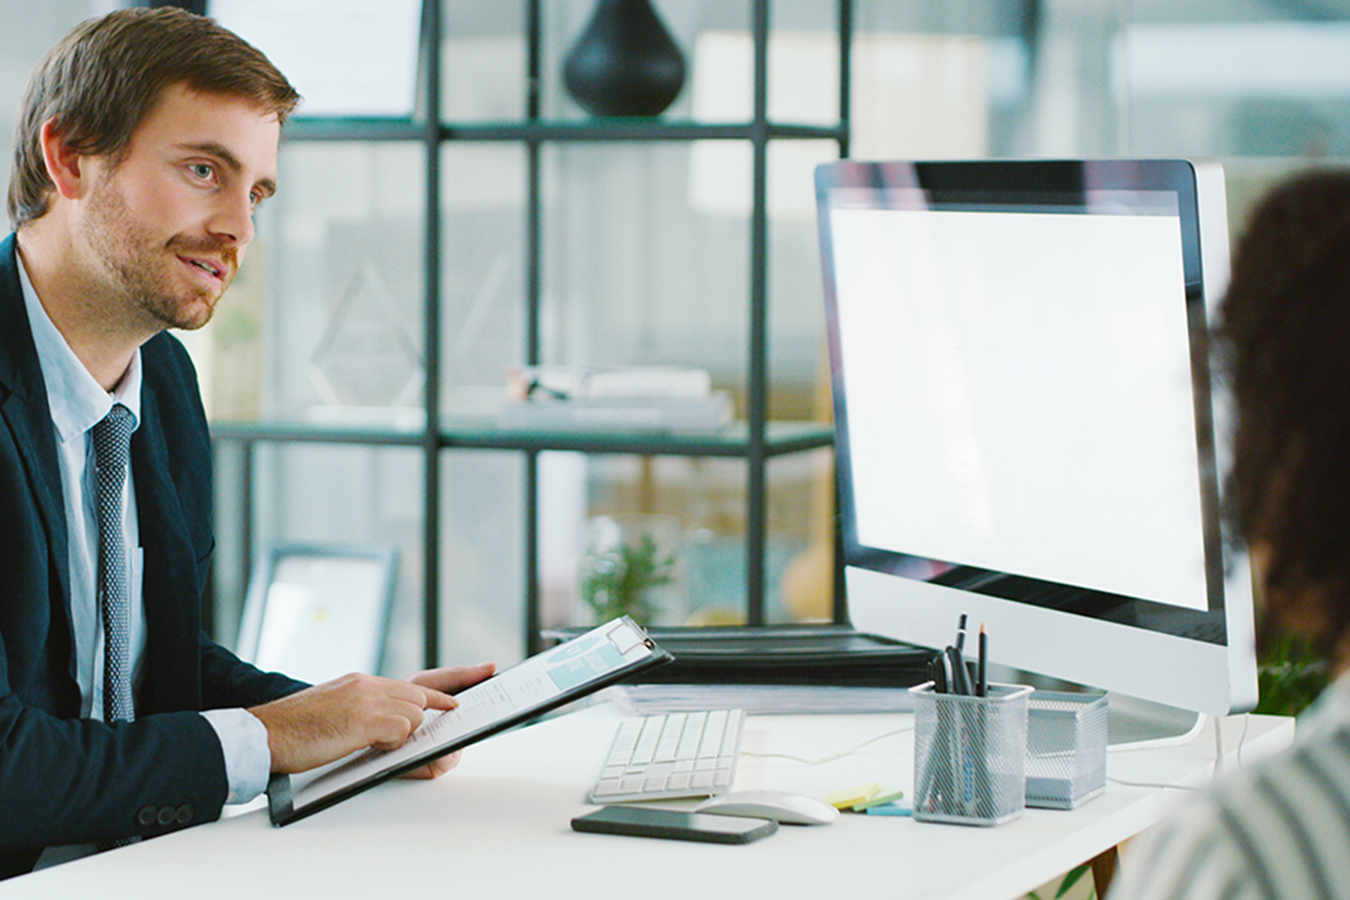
[{"x": 522, "y": 689}]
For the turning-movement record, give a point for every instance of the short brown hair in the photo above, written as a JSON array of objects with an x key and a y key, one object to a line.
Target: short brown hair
[
  {"x": 102, "y": 79},
  {"x": 1286, "y": 330}
]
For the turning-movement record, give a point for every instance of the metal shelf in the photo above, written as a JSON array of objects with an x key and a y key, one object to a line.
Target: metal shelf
[
  {"x": 733, "y": 441},
  {"x": 555, "y": 131},
  {"x": 263, "y": 432},
  {"x": 754, "y": 441}
]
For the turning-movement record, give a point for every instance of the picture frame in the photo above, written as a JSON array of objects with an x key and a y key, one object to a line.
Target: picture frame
[{"x": 318, "y": 611}]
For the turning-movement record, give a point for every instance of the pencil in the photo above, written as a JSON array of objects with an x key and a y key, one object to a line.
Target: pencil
[{"x": 981, "y": 678}]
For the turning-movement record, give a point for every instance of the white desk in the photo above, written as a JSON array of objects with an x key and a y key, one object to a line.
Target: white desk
[{"x": 498, "y": 826}]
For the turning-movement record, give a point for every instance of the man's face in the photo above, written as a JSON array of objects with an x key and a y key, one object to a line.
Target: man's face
[{"x": 168, "y": 224}]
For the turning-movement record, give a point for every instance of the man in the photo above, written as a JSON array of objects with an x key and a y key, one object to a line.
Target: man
[
  {"x": 1281, "y": 829},
  {"x": 147, "y": 139}
]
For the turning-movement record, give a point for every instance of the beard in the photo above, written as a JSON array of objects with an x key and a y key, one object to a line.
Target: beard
[{"x": 143, "y": 267}]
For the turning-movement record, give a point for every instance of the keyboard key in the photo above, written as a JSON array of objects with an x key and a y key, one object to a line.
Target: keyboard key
[
  {"x": 712, "y": 734},
  {"x": 731, "y": 736}
]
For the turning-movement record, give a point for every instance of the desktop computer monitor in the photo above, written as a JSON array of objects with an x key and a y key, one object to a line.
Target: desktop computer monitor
[{"x": 1027, "y": 429}]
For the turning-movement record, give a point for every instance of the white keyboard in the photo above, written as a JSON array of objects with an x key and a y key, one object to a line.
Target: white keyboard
[{"x": 671, "y": 755}]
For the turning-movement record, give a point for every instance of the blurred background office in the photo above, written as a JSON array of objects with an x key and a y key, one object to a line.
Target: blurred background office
[{"x": 578, "y": 246}]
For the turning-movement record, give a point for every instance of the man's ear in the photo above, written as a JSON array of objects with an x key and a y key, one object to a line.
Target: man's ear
[{"x": 64, "y": 163}]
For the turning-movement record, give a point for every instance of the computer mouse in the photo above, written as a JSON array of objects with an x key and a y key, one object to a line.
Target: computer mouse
[{"x": 781, "y": 806}]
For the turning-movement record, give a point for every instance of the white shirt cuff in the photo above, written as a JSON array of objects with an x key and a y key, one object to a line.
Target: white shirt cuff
[{"x": 248, "y": 761}]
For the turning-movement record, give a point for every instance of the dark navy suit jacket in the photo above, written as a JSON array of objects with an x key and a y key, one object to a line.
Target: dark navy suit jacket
[{"x": 66, "y": 780}]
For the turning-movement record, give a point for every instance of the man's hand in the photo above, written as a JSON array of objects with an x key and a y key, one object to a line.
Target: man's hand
[
  {"x": 330, "y": 720},
  {"x": 448, "y": 680}
]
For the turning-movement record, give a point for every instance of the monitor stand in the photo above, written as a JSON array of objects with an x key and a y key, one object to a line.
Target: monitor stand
[
  {"x": 1143, "y": 723},
  {"x": 1131, "y": 722}
]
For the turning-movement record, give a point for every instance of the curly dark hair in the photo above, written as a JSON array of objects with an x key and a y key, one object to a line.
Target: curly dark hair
[{"x": 1286, "y": 335}]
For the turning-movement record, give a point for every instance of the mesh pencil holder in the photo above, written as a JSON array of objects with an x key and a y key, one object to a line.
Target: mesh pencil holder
[
  {"x": 1066, "y": 748},
  {"x": 970, "y": 755}
]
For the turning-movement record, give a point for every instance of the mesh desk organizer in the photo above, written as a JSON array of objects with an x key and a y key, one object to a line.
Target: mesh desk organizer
[
  {"x": 970, "y": 755},
  {"x": 1066, "y": 749}
]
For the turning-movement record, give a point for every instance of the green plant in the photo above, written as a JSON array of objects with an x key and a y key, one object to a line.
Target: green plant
[
  {"x": 1290, "y": 676},
  {"x": 617, "y": 580},
  {"x": 1067, "y": 884}
]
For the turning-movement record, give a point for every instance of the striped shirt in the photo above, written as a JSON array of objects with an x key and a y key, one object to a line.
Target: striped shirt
[{"x": 1280, "y": 829}]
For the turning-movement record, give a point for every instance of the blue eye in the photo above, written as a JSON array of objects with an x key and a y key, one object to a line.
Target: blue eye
[{"x": 201, "y": 170}]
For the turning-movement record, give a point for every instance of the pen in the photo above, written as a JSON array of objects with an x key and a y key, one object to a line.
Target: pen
[
  {"x": 981, "y": 678},
  {"x": 960, "y": 680}
]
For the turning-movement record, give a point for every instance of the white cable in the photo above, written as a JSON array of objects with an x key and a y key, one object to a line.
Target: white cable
[
  {"x": 1219, "y": 757},
  {"x": 832, "y": 757},
  {"x": 1138, "y": 745},
  {"x": 1246, "y": 721},
  {"x": 1149, "y": 784},
  {"x": 1218, "y": 747}
]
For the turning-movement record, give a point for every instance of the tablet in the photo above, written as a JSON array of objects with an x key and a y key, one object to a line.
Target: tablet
[{"x": 600, "y": 657}]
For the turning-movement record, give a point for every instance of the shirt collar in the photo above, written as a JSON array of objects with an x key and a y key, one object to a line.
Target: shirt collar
[{"x": 77, "y": 401}]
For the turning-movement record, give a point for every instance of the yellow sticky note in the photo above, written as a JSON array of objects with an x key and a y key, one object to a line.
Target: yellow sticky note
[{"x": 849, "y": 796}]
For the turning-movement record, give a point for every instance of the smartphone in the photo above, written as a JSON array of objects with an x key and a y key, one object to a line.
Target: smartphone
[{"x": 675, "y": 824}]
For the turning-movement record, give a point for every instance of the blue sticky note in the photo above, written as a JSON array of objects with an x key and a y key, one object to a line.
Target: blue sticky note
[{"x": 889, "y": 809}]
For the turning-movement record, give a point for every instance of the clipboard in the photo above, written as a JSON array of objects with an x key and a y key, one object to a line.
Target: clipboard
[{"x": 598, "y": 658}]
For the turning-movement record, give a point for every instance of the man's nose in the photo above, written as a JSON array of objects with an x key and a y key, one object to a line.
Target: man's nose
[{"x": 233, "y": 218}]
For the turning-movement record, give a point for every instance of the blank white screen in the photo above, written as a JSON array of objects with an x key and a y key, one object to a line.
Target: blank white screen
[{"x": 1019, "y": 394}]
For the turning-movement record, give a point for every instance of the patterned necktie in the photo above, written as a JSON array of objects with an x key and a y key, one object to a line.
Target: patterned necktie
[{"x": 112, "y": 442}]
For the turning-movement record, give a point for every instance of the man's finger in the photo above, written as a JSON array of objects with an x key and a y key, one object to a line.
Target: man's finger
[
  {"x": 454, "y": 678},
  {"x": 434, "y": 699}
]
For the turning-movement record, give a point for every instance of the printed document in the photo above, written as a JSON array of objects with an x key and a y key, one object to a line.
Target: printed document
[{"x": 585, "y": 664}]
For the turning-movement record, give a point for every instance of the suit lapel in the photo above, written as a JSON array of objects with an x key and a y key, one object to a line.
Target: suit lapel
[
  {"x": 169, "y": 588},
  {"x": 28, "y": 415},
  {"x": 170, "y": 592}
]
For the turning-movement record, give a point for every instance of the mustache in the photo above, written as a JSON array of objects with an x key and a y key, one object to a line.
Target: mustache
[{"x": 222, "y": 249}]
